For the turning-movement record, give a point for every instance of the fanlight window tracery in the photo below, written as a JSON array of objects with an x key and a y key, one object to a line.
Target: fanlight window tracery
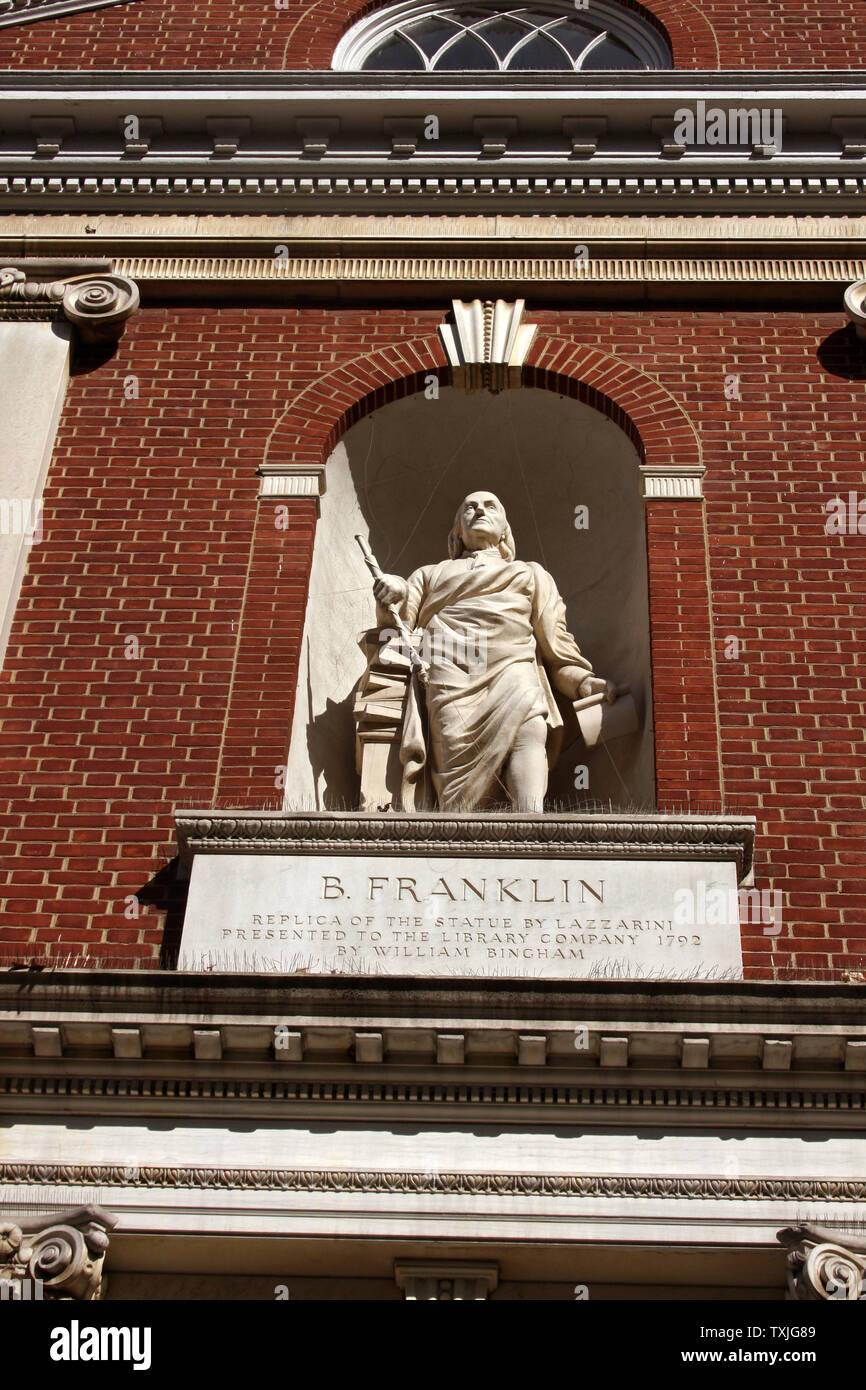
[{"x": 490, "y": 37}]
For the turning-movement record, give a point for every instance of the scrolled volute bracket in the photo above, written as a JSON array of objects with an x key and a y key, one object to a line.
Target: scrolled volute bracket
[
  {"x": 58, "y": 1257},
  {"x": 820, "y": 1266},
  {"x": 95, "y": 300}
]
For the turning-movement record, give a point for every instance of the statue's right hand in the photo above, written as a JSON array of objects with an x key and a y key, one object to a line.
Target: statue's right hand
[{"x": 389, "y": 589}]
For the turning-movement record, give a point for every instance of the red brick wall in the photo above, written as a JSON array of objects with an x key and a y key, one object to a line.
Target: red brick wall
[
  {"x": 150, "y": 513},
  {"x": 254, "y": 34}
]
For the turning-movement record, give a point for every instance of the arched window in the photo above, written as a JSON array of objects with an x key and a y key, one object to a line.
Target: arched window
[{"x": 489, "y": 36}]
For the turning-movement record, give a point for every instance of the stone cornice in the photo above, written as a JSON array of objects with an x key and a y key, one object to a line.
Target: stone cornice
[
  {"x": 714, "y": 1188},
  {"x": 765, "y": 1055},
  {"x": 746, "y": 85},
  {"x": 231, "y": 139},
  {"x": 824, "y": 1103},
  {"x": 238, "y": 236},
  {"x": 111, "y": 994},
  {"x": 651, "y": 836},
  {"x": 802, "y": 261}
]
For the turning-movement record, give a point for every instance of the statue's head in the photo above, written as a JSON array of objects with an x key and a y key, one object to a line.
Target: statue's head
[{"x": 481, "y": 522}]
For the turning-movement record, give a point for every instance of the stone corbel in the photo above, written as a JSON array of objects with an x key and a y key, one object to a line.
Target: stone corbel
[
  {"x": 282, "y": 480},
  {"x": 57, "y": 1257},
  {"x": 824, "y": 1264},
  {"x": 495, "y": 133},
  {"x": 487, "y": 343},
  {"x": 669, "y": 146},
  {"x": 445, "y": 1281},
  {"x": 316, "y": 133},
  {"x": 146, "y": 129},
  {"x": 668, "y": 483},
  {"x": 583, "y": 132},
  {"x": 49, "y": 134},
  {"x": 227, "y": 134},
  {"x": 404, "y": 134},
  {"x": 852, "y": 132},
  {"x": 86, "y": 293}
]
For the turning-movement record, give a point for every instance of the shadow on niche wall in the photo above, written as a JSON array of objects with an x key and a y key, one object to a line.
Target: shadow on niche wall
[{"x": 397, "y": 477}]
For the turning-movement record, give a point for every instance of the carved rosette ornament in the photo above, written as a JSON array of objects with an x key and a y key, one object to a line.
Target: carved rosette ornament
[
  {"x": 57, "y": 1257},
  {"x": 819, "y": 1267},
  {"x": 97, "y": 303}
]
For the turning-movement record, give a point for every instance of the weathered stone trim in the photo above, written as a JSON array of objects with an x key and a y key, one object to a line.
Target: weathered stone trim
[
  {"x": 756, "y": 1189},
  {"x": 292, "y": 485},
  {"x": 576, "y": 836},
  {"x": 596, "y": 270},
  {"x": 672, "y": 484},
  {"x": 610, "y": 1097}
]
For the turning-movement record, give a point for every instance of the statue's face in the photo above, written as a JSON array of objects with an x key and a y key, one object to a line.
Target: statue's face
[{"x": 482, "y": 520}]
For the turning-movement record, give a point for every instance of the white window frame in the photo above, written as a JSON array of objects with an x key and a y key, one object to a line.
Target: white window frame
[{"x": 616, "y": 22}]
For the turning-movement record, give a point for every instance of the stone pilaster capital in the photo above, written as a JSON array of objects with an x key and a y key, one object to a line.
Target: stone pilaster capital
[
  {"x": 87, "y": 294},
  {"x": 56, "y": 1257},
  {"x": 824, "y": 1263}
]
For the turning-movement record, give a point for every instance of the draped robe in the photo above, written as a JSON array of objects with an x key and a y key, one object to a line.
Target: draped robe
[{"x": 494, "y": 634}]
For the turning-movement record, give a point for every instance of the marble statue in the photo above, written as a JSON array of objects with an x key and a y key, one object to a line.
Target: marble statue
[{"x": 489, "y": 641}]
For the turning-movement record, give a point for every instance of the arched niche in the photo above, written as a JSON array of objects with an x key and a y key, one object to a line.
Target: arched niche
[{"x": 396, "y": 477}]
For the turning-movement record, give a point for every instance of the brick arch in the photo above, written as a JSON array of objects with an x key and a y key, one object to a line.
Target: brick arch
[
  {"x": 316, "y": 420},
  {"x": 654, "y": 420},
  {"x": 314, "y": 36},
  {"x": 256, "y": 732}
]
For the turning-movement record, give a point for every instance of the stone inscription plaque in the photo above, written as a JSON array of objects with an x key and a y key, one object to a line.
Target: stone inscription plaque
[{"x": 561, "y": 918}]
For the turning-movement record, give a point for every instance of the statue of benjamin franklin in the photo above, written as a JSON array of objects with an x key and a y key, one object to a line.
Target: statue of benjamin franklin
[{"x": 494, "y": 632}]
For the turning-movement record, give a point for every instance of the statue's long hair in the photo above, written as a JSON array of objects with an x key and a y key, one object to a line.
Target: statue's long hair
[{"x": 507, "y": 548}]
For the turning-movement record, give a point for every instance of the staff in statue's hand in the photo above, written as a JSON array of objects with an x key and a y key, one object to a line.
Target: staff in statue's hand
[{"x": 389, "y": 597}]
